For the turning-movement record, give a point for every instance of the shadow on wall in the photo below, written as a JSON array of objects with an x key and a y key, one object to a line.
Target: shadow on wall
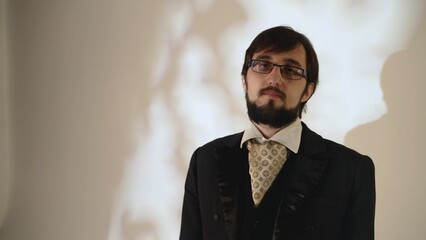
[{"x": 395, "y": 142}]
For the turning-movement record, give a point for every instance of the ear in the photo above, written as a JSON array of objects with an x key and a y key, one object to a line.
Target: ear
[
  {"x": 244, "y": 83},
  {"x": 309, "y": 90}
]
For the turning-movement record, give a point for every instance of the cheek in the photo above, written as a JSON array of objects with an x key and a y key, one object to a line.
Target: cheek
[
  {"x": 251, "y": 95},
  {"x": 253, "y": 80},
  {"x": 249, "y": 85},
  {"x": 252, "y": 92},
  {"x": 295, "y": 95}
]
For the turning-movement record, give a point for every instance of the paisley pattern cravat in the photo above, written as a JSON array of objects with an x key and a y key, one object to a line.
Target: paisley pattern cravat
[{"x": 265, "y": 162}]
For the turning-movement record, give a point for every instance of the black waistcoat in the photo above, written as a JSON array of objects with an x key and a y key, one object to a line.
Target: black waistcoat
[{"x": 258, "y": 223}]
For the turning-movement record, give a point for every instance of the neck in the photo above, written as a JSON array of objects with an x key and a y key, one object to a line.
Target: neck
[{"x": 268, "y": 131}]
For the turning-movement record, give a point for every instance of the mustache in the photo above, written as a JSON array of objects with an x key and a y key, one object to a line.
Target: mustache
[{"x": 275, "y": 90}]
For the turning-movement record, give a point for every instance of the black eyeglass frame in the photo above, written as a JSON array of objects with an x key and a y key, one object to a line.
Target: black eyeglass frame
[{"x": 302, "y": 75}]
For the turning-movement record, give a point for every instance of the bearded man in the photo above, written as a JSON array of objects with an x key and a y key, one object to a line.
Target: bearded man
[{"x": 278, "y": 179}]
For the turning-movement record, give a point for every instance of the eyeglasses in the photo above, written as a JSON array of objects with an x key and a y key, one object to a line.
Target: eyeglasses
[{"x": 287, "y": 71}]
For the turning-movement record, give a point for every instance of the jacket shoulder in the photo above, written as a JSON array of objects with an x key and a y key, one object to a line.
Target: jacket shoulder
[
  {"x": 226, "y": 141},
  {"x": 210, "y": 150},
  {"x": 314, "y": 144},
  {"x": 342, "y": 150}
]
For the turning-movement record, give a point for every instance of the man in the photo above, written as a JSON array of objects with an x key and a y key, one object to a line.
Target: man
[{"x": 278, "y": 179}]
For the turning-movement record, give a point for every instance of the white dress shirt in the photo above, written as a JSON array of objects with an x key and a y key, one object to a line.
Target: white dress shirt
[{"x": 289, "y": 136}]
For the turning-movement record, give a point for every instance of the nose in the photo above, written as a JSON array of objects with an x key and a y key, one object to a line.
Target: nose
[{"x": 274, "y": 77}]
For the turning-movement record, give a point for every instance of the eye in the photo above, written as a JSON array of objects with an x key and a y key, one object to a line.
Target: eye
[
  {"x": 291, "y": 71},
  {"x": 261, "y": 66}
]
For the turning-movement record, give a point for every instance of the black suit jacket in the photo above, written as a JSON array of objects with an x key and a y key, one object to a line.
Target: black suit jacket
[{"x": 330, "y": 192}]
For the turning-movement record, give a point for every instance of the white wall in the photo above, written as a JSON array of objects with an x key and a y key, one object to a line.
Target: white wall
[
  {"x": 97, "y": 97},
  {"x": 396, "y": 141},
  {"x": 77, "y": 89}
]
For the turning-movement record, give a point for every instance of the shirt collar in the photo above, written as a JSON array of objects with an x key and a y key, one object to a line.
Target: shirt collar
[{"x": 289, "y": 136}]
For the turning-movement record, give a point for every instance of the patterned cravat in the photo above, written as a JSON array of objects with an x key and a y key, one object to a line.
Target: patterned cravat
[{"x": 265, "y": 161}]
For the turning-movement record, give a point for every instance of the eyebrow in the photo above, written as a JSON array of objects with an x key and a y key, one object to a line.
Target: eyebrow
[{"x": 286, "y": 60}]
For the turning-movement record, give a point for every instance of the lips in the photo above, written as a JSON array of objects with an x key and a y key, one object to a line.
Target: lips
[{"x": 272, "y": 92}]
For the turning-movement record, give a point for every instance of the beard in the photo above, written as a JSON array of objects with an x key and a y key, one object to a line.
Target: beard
[{"x": 269, "y": 114}]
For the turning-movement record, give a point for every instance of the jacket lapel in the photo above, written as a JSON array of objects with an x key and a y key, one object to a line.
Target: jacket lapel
[
  {"x": 229, "y": 159},
  {"x": 307, "y": 170}
]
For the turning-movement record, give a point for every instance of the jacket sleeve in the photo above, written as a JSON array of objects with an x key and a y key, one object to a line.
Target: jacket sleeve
[
  {"x": 359, "y": 220},
  {"x": 191, "y": 216}
]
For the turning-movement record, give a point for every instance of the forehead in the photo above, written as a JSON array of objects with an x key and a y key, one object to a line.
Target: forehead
[{"x": 296, "y": 56}]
